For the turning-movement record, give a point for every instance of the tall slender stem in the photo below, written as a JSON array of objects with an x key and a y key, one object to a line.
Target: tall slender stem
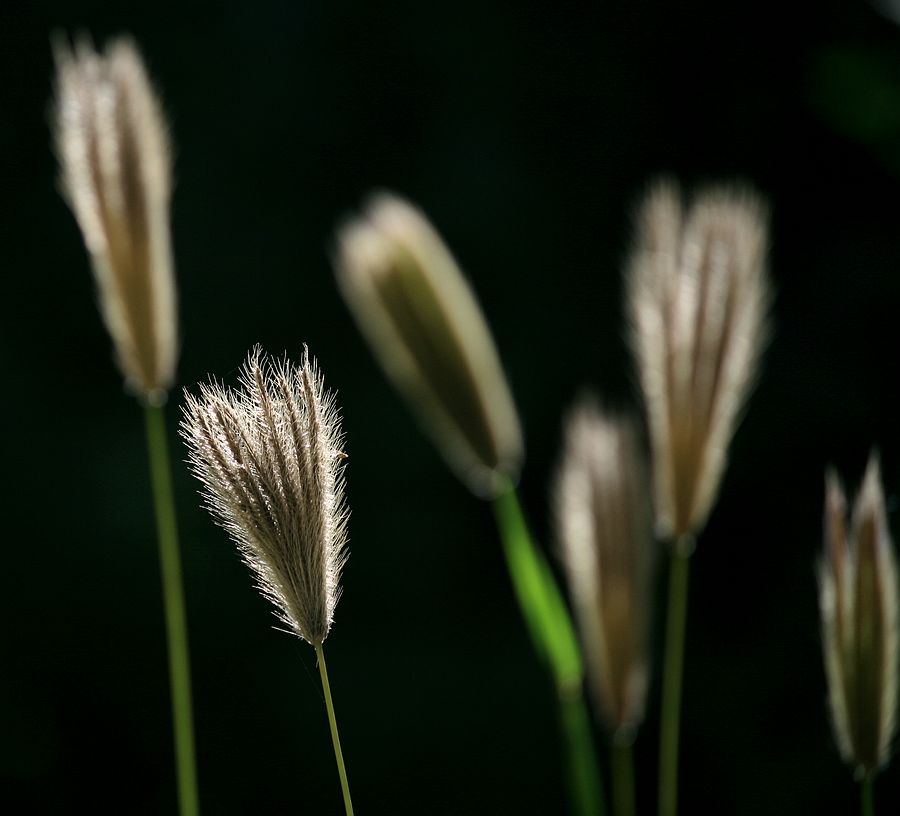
[
  {"x": 173, "y": 603},
  {"x": 622, "y": 778},
  {"x": 553, "y": 636},
  {"x": 867, "y": 795},
  {"x": 673, "y": 667},
  {"x": 335, "y": 739}
]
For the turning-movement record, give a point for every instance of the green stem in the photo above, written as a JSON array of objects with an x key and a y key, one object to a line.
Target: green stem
[
  {"x": 553, "y": 636},
  {"x": 335, "y": 739},
  {"x": 673, "y": 667},
  {"x": 173, "y": 603},
  {"x": 622, "y": 778},
  {"x": 585, "y": 791},
  {"x": 867, "y": 795}
]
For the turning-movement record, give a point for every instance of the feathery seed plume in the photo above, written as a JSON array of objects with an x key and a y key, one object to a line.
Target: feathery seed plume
[
  {"x": 113, "y": 147},
  {"x": 698, "y": 297},
  {"x": 858, "y": 600},
  {"x": 606, "y": 530},
  {"x": 421, "y": 318},
  {"x": 270, "y": 459}
]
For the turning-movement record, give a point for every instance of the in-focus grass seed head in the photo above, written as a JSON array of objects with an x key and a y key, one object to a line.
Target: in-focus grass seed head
[
  {"x": 605, "y": 527},
  {"x": 270, "y": 458},
  {"x": 421, "y": 318},
  {"x": 858, "y": 600},
  {"x": 115, "y": 158},
  {"x": 698, "y": 297}
]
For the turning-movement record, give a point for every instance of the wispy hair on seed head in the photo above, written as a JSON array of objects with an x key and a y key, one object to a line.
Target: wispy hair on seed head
[
  {"x": 698, "y": 298},
  {"x": 270, "y": 457},
  {"x": 113, "y": 147}
]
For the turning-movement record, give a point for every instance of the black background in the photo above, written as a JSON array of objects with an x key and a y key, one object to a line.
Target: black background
[{"x": 527, "y": 132}]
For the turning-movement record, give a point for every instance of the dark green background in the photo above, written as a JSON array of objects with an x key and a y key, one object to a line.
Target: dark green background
[{"x": 527, "y": 131}]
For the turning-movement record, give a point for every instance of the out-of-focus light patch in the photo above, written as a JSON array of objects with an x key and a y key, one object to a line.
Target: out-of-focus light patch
[{"x": 889, "y": 8}]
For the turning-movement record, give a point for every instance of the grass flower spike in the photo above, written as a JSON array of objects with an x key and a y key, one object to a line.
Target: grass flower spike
[
  {"x": 698, "y": 298},
  {"x": 270, "y": 458},
  {"x": 860, "y": 637},
  {"x": 114, "y": 150},
  {"x": 605, "y": 527},
  {"x": 424, "y": 324},
  {"x": 606, "y": 530}
]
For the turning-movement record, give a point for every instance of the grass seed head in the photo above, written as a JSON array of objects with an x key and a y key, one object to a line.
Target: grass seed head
[
  {"x": 113, "y": 148},
  {"x": 605, "y": 528},
  {"x": 698, "y": 299},
  {"x": 859, "y": 607},
  {"x": 421, "y": 318},
  {"x": 270, "y": 458}
]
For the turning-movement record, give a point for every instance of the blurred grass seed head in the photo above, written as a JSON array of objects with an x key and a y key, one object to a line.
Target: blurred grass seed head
[
  {"x": 698, "y": 298},
  {"x": 605, "y": 526},
  {"x": 859, "y": 607},
  {"x": 270, "y": 458},
  {"x": 113, "y": 147},
  {"x": 421, "y": 318}
]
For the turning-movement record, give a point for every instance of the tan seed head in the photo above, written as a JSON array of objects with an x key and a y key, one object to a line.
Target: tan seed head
[
  {"x": 698, "y": 298},
  {"x": 422, "y": 320},
  {"x": 114, "y": 152},
  {"x": 270, "y": 458},
  {"x": 605, "y": 527},
  {"x": 858, "y": 600}
]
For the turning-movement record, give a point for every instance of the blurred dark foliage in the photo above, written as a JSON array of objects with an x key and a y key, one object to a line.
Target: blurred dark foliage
[{"x": 527, "y": 131}]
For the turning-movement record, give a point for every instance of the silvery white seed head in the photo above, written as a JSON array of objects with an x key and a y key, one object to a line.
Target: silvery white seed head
[
  {"x": 114, "y": 152},
  {"x": 270, "y": 458},
  {"x": 422, "y": 320},
  {"x": 605, "y": 527},
  {"x": 698, "y": 298},
  {"x": 859, "y": 606}
]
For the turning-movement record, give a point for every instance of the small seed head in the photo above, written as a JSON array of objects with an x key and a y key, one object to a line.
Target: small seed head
[
  {"x": 422, "y": 320},
  {"x": 270, "y": 458},
  {"x": 115, "y": 158},
  {"x": 698, "y": 298},
  {"x": 606, "y": 531},
  {"x": 859, "y": 607}
]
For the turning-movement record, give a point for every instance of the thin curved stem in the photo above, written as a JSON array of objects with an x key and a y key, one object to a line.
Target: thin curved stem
[
  {"x": 335, "y": 739},
  {"x": 173, "y": 604},
  {"x": 673, "y": 667},
  {"x": 553, "y": 636}
]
